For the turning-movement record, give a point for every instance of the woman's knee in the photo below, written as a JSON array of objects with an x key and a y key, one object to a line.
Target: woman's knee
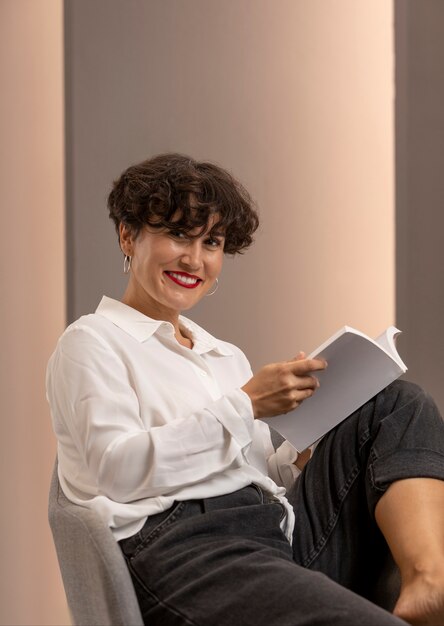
[
  {"x": 406, "y": 389},
  {"x": 402, "y": 393}
]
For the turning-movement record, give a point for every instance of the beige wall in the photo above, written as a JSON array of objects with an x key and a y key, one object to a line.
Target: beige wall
[
  {"x": 296, "y": 98},
  {"x": 315, "y": 144},
  {"x": 32, "y": 303}
]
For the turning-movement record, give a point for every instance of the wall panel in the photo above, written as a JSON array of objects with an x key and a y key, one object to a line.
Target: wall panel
[
  {"x": 296, "y": 98},
  {"x": 420, "y": 189},
  {"x": 32, "y": 312}
]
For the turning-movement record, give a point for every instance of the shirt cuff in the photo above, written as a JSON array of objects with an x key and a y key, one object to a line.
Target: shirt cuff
[
  {"x": 286, "y": 456},
  {"x": 235, "y": 412}
]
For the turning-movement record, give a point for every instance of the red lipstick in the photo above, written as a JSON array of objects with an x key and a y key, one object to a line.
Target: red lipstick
[{"x": 185, "y": 274}]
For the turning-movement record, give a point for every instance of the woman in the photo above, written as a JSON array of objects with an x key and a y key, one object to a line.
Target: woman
[{"x": 156, "y": 428}]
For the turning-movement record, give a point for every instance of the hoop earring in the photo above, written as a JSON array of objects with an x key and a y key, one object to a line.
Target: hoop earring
[
  {"x": 217, "y": 285},
  {"x": 126, "y": 264}
]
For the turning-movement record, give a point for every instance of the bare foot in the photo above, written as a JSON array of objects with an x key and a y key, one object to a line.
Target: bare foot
[{"x": 421, "y": 601}]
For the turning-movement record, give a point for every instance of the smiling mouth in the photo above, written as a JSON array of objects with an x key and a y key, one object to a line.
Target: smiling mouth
[{"x": 184, "y": 281}]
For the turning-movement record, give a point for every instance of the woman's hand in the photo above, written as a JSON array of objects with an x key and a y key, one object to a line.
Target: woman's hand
[
  {"x": 279, "y": 388},
  {"x": 303, "y": 458}
]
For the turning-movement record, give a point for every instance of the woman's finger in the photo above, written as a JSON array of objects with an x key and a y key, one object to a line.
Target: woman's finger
[
  {"x": 299, "y": 357},
  {"x": 306, "y": 382},
  {"x": 299, "y": 368}
]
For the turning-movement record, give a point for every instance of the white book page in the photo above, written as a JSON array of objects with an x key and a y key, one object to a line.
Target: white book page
[
  {"x": 387, "y": 341},
  {"x": 358, "y": 368}
]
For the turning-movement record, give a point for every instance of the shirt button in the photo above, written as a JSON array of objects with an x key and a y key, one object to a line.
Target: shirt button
[{"x": 202, "y": 373}]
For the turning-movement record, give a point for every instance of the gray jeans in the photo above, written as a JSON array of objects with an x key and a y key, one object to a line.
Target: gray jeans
[{"x": 224, "y": 561}]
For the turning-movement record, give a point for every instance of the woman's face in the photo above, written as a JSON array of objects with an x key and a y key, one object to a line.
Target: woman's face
[{"x": 169, "y": 271}]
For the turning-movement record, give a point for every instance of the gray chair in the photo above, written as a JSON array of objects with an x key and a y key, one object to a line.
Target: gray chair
[{"x": 97, "y": 583}]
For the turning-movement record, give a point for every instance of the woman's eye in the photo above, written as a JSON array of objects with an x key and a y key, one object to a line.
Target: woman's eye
[
  {"x": 177, "y": 234},
  {"x": 214, "y": 243}
]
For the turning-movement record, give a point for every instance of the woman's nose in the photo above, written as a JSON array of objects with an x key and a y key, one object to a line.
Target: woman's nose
[{"x": 192, "y": 256}]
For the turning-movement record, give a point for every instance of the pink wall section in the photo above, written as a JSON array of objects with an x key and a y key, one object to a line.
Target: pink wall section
[
  {"x": 32, "y": 312},
  {"x": 308, "y": 126}
]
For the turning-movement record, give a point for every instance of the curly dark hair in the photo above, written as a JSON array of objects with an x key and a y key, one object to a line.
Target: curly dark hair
[{"x": 174, "y": 192}]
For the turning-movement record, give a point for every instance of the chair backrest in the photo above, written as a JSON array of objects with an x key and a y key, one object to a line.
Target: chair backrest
[{"x": 97, "y": 582}]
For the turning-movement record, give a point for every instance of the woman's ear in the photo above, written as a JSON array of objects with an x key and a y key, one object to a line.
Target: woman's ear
[{"x": 125, "y": 239}]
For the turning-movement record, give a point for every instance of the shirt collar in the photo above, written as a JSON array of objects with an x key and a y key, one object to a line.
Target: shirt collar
[
  {"x": 203, "y": 340},
  {"x": 142, "y": 327}
]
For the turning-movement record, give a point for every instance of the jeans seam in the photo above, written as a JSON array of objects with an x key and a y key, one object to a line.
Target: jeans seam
[
  {"x": 260, "y": 492},
  {"x": 317, "y": 549},
  {"x": 164, "y": 604},
  {"x": 265, "y": 499},
  {"x": 372, "y": 458},
  {"x": 333, "y": 518},
  {"x": 158, "y": 529}
]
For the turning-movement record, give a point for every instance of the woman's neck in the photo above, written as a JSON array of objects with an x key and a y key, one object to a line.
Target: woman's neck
[{"x": 155, "y": 313}]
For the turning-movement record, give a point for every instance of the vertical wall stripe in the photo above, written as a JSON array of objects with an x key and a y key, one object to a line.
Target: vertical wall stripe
[
  {"x": 32, "y": 312},
  {"x": 419, "y": 28}
]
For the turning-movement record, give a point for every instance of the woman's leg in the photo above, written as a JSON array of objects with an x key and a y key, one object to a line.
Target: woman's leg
[
  {"x": 397, "y": 435},
  {"x": 224, "y": 561},
  {"x": 419, "y": 502}
]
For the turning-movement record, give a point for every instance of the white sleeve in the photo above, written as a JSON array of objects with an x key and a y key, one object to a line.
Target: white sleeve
[
  {"x": 281, "y": 465},
  {"x": 280, "y": 462},
  {"x": 94, "y": 405}
]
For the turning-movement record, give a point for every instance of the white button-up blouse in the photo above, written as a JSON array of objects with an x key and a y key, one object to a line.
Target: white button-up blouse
[{"x": 142, "y": 421}]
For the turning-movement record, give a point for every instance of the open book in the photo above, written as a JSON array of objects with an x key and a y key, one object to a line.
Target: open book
[{"x": 358, "y": 368}]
